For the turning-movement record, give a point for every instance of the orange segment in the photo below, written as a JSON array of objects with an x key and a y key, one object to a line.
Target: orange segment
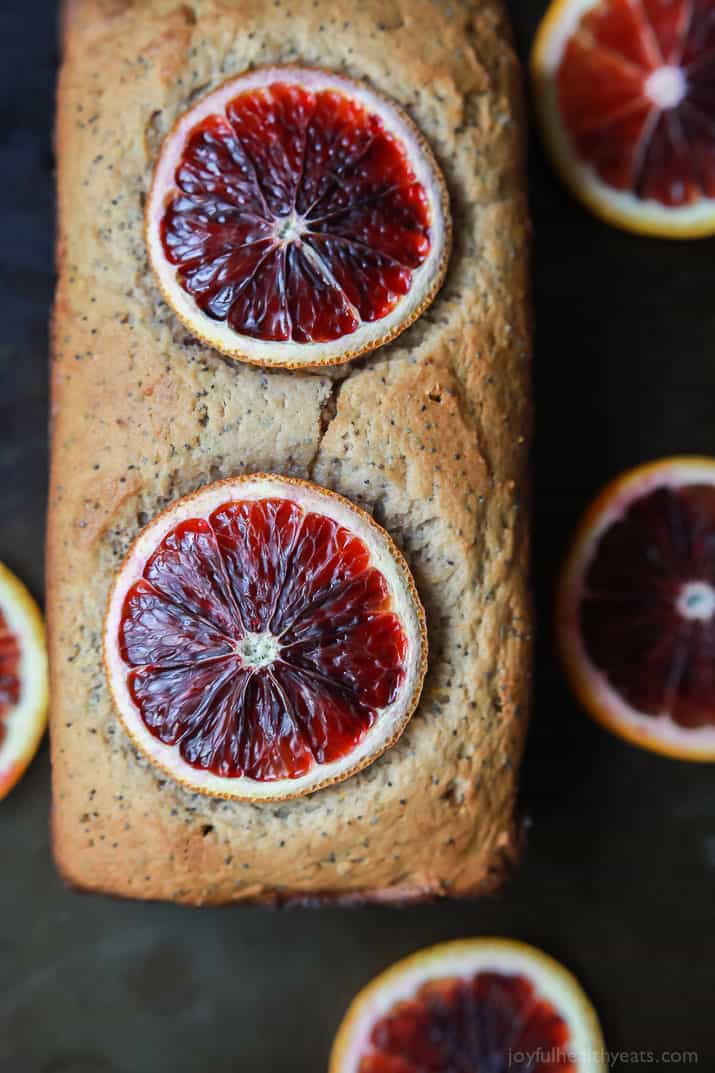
[
  {"x": 476, "y": 1004},
  {"x": 636, "y": 608},
  {"x": 23, "y": 679},
  {"x": 297, "y": 217},
  {"x": 263, "y": 639},
  {"x": 625, "y": 92}
]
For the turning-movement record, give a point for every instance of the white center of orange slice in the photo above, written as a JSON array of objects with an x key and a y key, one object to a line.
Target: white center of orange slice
[
  {"x": 696, "y": 601},
  {"x": 666, "y": 87},
  {"x": 290, "y": 228},
  {"x": 258, "y": 649}
]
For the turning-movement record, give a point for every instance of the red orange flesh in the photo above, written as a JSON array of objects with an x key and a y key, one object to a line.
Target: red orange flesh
[
  {"x": 626, "y": 94},
  {"x": 636, "y": 608},
  {"x": 23, "y": 680},
  {"x": 296, "y": 217},
  {"x": 261, "y": 642},
  {"x": 480, "y": 1004}
]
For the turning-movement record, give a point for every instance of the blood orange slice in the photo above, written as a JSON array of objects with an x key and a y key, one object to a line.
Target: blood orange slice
[
  {"x": 263, "y": 639},
  {"x": 23, "y": 679},
  {"x": 636, "y": 608},
  {"x": 473, "y": 1005},
  {"x": 297, "y": 218},
  {"x": 625, "y": 90}
]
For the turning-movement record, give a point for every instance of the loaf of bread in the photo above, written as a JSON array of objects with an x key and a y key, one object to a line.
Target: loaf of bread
[{"x": 429, "y": 433}]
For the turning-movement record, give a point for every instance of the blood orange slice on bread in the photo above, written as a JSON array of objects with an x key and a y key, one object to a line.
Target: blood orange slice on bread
[
  {"x": 297, "y": 217},
  {"x": 263, "y": 639},
  {"x": 636, "y": 608},
  {"x": 473, "y": 1005},
  {"x": 23, "y": 679},
  {"x": 625, "y": 90}
]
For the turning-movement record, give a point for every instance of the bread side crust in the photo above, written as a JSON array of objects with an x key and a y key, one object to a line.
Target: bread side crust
[{"x": 430, "y": 434}]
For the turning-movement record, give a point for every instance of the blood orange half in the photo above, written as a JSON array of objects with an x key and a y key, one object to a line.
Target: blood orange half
[
  {"x": 636, "y": 608},
  {"x": 297, "y": 217},
  {"x": 625, "y": 90},
  {"x": 475, "y": 1005},
  {"x": 23, "y": 679},
  {"x": 263, "y": 639}
]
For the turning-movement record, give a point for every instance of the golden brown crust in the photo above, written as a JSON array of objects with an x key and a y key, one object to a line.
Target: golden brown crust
[{"x": 429, "y": 433}]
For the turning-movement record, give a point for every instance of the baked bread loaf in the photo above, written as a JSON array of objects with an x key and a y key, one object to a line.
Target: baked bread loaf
[{"x": 429, "y": 433}]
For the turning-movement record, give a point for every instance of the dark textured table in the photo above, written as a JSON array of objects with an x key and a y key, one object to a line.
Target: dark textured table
[{"x": 618, "y": 876}]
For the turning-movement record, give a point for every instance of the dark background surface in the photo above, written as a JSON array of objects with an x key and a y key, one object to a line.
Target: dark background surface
[{"x": 617, "y": 879}]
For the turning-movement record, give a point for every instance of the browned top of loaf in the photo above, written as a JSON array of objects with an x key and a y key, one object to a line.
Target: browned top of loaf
[{"x": 429, "y": 434}]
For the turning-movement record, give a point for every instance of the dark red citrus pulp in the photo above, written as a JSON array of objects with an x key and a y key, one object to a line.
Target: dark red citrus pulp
[
  {"x": 261, "y": 641},
  {"x": 297, "y": 215},
  {"x": 648, "y": 610},
  {"x": 491, "y": 1023},
  {"x": 636, "y": 88},
  {"x": 9, "y": 673}
]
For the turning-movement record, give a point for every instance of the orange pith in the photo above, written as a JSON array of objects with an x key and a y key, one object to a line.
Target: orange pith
[
  {"x": 625, "y": 91},
  {"x": 472, "y": 1004},
  {"x": 23, "y": 680},
  {"x": 296, "y": 218},
  {"x": 264, "y": 639},
  {"x": 635, "y": 607}
]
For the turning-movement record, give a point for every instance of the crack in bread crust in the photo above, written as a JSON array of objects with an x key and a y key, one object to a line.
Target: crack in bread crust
[{"x": 430, "y": 433}]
